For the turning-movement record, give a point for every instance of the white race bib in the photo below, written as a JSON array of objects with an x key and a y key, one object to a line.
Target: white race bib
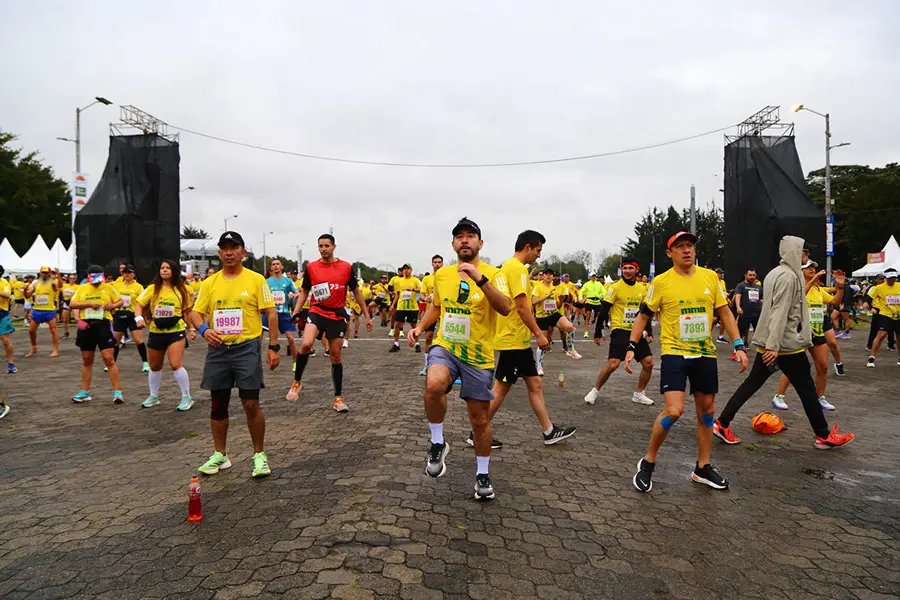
[
  {"x": 321, "y": 292},
  {"x": 406, "y": 296},
  {"x": 126, "y": 301},
  {"x": 693, "y": 328},
  {"x": 91, "y": 314},
  {"x": 163, "y": 311},
  {"x": 68, "y": 293},
  {"x": 631, "y": 314},
  {"x": 229, "y": 321},
  {"x": 753, "y": 295},
  {"x": 549, "y": 306},
  {"x": 42, "y": 300},
  {"x": 380, "y": 295},
  {"x": 279, "y": 297},
  {"x": 456, "y": 329},
  {"x": 892, "y": 300},
  {"x": 816, "y": 317}
]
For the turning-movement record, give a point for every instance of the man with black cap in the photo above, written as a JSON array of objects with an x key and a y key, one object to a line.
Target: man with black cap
[
  {"x": 686, "y": 297},
  {"x": 406, "y": 304},
  {"x": 228, "y": 316},
  {"x": 885, "y": 302},
  {"x": 467, "y": 298}
]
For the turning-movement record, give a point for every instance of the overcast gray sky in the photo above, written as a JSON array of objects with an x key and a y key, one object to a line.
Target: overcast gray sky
[{"x": 445, "y": 82}]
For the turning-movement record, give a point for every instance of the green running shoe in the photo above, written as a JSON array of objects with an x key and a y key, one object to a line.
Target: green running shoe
[
  {"x": 261, "y": 465},
  {"x": 186, "y": 403},
  {"x": 145, "y": 368},
  {"x": 118, "y": 398},
  {"x": 82, "y": 396},
  {"x": 216, "y": 462},
  {"x": 150, "y": 402}
]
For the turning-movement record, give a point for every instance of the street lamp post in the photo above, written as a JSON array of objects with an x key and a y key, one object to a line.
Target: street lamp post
[
  {"x": 828, "y": 214},
  {"x": 265, "y": 267},
  {"x": 226, "y": 221},
  {"x": 77, "y": 142}
]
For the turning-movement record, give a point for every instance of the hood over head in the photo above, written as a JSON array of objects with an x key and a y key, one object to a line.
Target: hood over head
[{"x": 790, "y": 249}]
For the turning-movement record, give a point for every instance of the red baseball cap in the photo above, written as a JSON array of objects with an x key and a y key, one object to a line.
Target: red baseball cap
[{"x": 678, "y": 236}]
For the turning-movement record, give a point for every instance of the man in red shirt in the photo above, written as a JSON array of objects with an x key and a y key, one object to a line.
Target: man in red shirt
[{"x": 326, "y": 282}]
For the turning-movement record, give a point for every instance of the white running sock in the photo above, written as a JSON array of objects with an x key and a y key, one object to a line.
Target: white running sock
[
  {"x": 153, "y": 379},
  {"x": 548, "y": 431},
  {"x": 181, "y": 376},
  {"x": 437, "y": 433},
  {"x": 482, "y": 465}
]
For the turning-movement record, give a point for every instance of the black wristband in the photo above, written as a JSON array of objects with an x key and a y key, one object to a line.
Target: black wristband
[
  {"x": 484, "y": 279},
  {"x": 632, "y": 346}
]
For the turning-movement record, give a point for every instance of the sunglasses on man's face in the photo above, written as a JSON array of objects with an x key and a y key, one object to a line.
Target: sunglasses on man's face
[{"x": 463, "y": 292}]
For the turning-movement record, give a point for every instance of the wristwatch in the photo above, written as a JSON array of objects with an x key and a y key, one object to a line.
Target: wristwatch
[
  {"x": 484, "y": 279},
  {"x": 275, "y": 347}
]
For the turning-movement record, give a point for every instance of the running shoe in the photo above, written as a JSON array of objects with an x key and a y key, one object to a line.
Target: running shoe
[
  {"x": 106, "y": 369},
  {"x": 457, "y": 381},
  {"x": 292, "y": 394},
  {"x": 150, "y": 402},
  {"x": 573, "y": 353},
  {"x": 540, "y": 370},
  {"x": 345, "y": 344},
  {"x": 186, "y": 403},
  {"x": 707, "y": 475},
  {"x": 558, "y": 434},
  {"x": 721, "y": 340},
  {"x": 734, "y": 356},
  {"x": 118, "y": 398},
  {"x": 418, "y": 348},
  {"x": 4, "y": 409},
  {"x": 641, "y": 398},
  {"x": 834, "y": 439},
  {"x": 871, "y": 362},
  {"x": 642, "y": 479},
  {"x": 145, "y": 367},
  {"x": 847, "y": 336},
  {"x": 725, "y": 433},
  {"x": 483, "y": 488},
  {"x": 587, "y": 335},
  {"x": 82, "y": 396},
  {"x": 779, "y": 403},
  {"x": 355, "y": 334},
  {"x": 260, "y": 465},
  {"x": 216, "y": 462},
  {"x": 66, "y": 335},
  {"x": 293, "y": 366},
  {"x": 423, "y": 372},
  {"x": 312, "y": 353},
  {"x": 339, "y": 405},
  {"x": 495, "y": 443},
  {"x": 327, "y": 353},
  {"x": 435, "y": 466},
  {"x": 839, "y": 369},
  {"x": 391, "y": 333},
  {"x": 394, "y": 348},
  {"x": 591, "y": 395},
  {"x": 825, "y": 404},
  {"x": 11, "y": 368}
]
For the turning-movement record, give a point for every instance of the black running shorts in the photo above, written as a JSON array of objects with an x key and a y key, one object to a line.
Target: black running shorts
[
  {"x": 513, "y": 364},
  {"x": 618, "y": 345}
]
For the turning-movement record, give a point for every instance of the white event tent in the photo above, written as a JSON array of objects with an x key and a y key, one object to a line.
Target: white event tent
[
  {"x": 891, "y": 259},
  {"x": 39, "y": 255}
]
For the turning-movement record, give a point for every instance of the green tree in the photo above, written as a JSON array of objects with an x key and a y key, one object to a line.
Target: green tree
[
  {"x": 33, "y": 200},
  {"x": 189, "y": 232},
  {"x": 866, "y": 207}
]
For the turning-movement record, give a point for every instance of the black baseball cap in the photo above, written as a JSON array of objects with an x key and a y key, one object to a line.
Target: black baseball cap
[
  {"x": 231, "y": 236},
  {"x": 466, "y": 222},
  {"x": 129, "y": 269}
]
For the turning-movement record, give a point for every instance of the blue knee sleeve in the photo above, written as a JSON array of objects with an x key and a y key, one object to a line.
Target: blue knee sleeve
[
  {"x": 708, "y": 420},
  {"x": 667, "y": 422}
]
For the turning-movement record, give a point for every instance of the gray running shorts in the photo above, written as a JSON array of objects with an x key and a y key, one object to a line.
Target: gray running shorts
[
  {"x": 236, "y": 366},
  {"x": 477, "y": 384}
]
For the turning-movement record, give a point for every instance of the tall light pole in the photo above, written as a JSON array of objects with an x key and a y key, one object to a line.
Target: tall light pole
[
  {"x": 265, "y": 267},
  {"x": 829, "y": 219},
  {"x": 226, "y": 221},
  {"x": 299, "y": 249}
]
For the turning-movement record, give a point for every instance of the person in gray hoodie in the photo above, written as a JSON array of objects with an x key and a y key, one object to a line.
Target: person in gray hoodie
[{"x": 781, "y": 341}]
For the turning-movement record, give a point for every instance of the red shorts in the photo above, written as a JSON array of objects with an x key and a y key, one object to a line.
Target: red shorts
[{"x": 421, "y": 306}]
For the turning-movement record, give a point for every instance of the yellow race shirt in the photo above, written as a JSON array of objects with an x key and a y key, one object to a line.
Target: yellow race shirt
[
  {"x": 512, "y": 334},
  {"x": 233, "y": 306},
  {"x": 5, "y": 288},
  {"x": 68, "y": 291},
  {"x": 886, "y": 298},
  {"x": 18, "y": 288},
  {"x": 44, "y": 296},
  {"x": 380, "y": 292},
  {"x": 129, "y": 292},
  {"x": 427, "y": 286},
  {"x": 169, "y": 303},
  {"x": 626, "y": 303},
  {"x": 686, "y": 306},
  {"x": 723, "y": 287},
  {"x": 550, "y": 306},
  {"x": 467, "y": 322},
  {"x": 195, "y": 287},
  {"x": 88, "y": 292},
  {"x": 818, "y": 299},
  {"x": 405, "y": 290}
]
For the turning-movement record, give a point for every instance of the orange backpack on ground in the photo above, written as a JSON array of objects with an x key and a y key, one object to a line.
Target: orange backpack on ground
[{"x": 767, "y": 423}]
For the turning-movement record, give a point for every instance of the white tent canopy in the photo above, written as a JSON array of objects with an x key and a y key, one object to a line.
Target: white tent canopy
[
  {"x": 38, "y": 255},
  {"x": 891, "y": 259}
]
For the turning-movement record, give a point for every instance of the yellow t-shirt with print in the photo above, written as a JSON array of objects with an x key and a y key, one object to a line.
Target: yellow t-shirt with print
[
  {"x": 405, "y": 290},
  {"x": 103, "y": 293},
  {"x": 68, "y": 291},
  {"x": 233, "y": 306},
  {"x": 818, "y": 300},
  {"x": 626, "y": 303},
  {"x": 686, "y": 306},
  {"x": 129, "y": 292},
  {"x": 552, "y": 305},
  {"x": 512, "y": 334},
  {"x": 886, "y": 298},
  {"x": 427, "y": 285},
  {"x": 44, "y": 296},
  {"x": 5, "y": 288},
  {"x": 195, "y": 287},
  {"x": 380, "y": 291},
  {"x": 467, "y": 322},
  {"x": 18, "y": 288},
  {"x": 168, "y": 303}
]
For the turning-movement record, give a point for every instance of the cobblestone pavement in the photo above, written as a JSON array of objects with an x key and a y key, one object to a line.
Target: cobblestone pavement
[{"x": 94, "y": 496}]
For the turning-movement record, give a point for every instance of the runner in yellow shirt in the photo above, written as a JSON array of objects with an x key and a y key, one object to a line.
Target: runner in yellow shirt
[
  {"x": 547, "y": 299},
  {"x": 427, "y": 296},
  {"x": 885, "y": 303},
  {"x": 94, "y": 303},
  {"x": 44, "y": 293},
  {"x": 130, "y": 290},
  {"x": 227, "y": 315},
  {"x": 381, "y": 299},
  {"x": 6, "y": 327},
  {"x": 68, "y": 290},
  {"x": 18, "y": 289},
  {"x": 467, "y": 298},
  {"x": 686, "y": 296},
  {"x": 406, "y": 304}
]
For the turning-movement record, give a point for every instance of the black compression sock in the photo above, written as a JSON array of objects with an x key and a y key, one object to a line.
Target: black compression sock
[
  {"x": 302, "y": 359},
  {"x": 142, "y": 350},
  {"x": 337, "y": 377}
]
